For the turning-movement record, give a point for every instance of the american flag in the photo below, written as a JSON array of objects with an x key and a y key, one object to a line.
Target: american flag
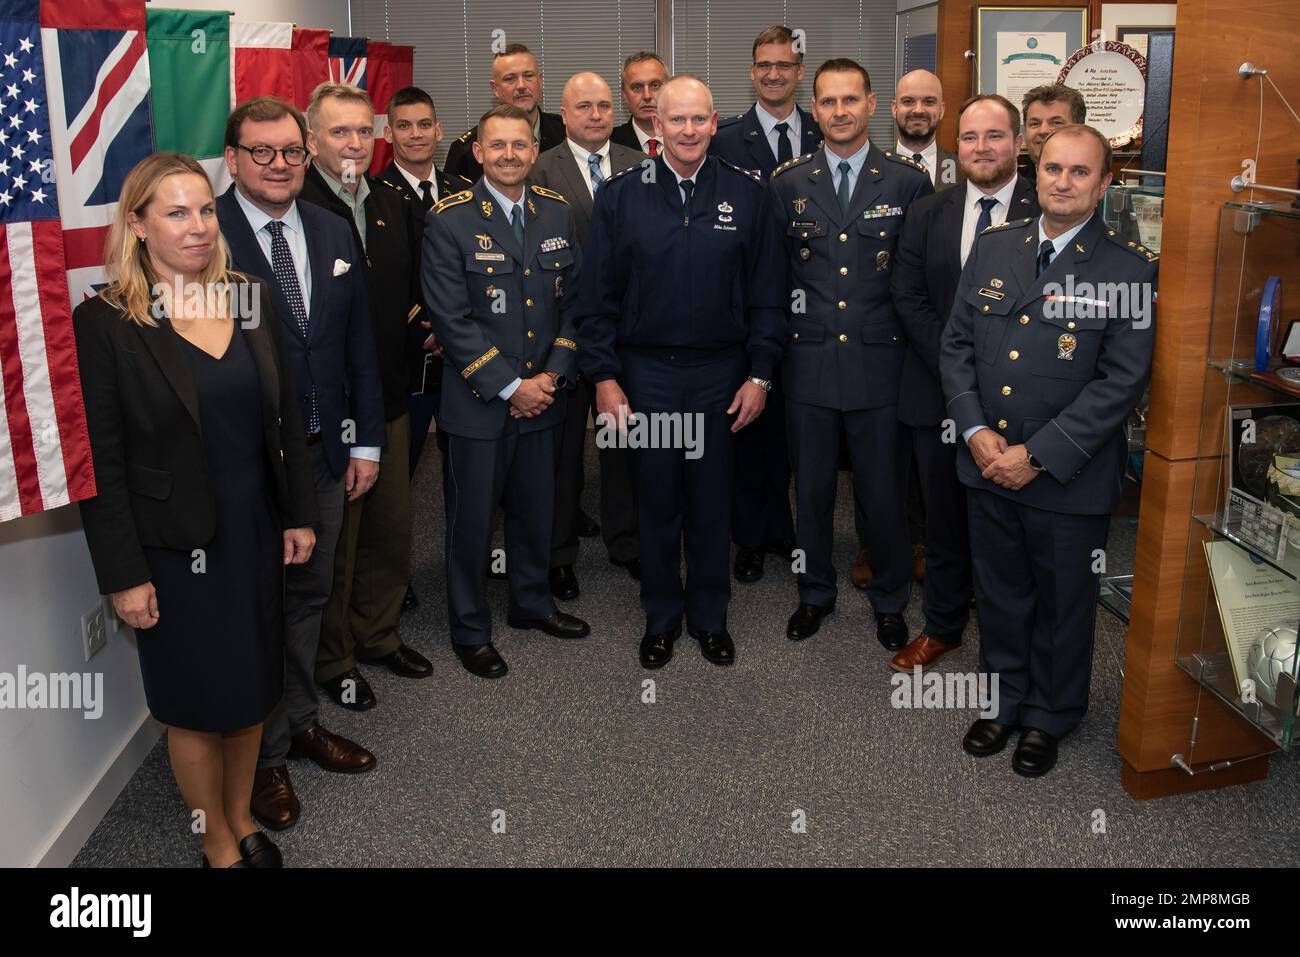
[{"x": 44, "y": 449}]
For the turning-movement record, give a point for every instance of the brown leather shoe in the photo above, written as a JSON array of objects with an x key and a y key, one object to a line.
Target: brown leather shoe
[
  {"x": 331, "y": 752},
  {"x": 921, "y": 650},
  {"x": 861, "y": 574},
  {"x": 273, "y": 803},
  {"x": 918, "y": 562}
]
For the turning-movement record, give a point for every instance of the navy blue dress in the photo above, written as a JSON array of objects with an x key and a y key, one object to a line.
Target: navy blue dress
[{"x": 215, "y": 660}]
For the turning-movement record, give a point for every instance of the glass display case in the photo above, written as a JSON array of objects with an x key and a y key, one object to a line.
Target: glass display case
[
  {"x": 1136, "y": 213},
  {"x": 1241, "y": 599}
]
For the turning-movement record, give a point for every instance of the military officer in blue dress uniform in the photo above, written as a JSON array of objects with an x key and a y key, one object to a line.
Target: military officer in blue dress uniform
[
  {"x": 841, "y": 210},
  {"x": 1046, "y": 352},
  {"x": 500, "y": 264},
  {"x": 681, "y": 313}
]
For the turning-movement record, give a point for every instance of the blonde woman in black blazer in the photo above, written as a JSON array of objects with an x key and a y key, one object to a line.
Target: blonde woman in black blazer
[{"x": 204, "y": 488}]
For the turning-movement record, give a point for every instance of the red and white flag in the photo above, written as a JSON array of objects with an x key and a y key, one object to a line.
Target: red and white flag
[
  {"x": 389, "y": 69},
  {"x": 261, "y": 60}
]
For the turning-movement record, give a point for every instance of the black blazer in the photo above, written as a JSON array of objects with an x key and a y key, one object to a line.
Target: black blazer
[
  {"x": 142, "y": 412},
  {"x": 338, "y": 353},
  {"x": 460, "y": 154},
  {"x": 624, "y": 135},
  {"x": 927, "y": 266},
  {"x": 740, "y": 140}
]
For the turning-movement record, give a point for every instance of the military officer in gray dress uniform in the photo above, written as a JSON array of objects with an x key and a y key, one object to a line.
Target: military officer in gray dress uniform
[
  {"x": 499, "y": 270},
  {"x": 841, "y": 210},
  {"x": 1047, "y": 350}
]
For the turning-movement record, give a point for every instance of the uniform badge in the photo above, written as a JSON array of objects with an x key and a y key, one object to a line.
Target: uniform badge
[
  {"x": 724, "y": 211},
  {"x": 379, "y": 222},
  {"x": 876, "y": 171},
  {"x": 805, "y": 253},
  {"x": 995, "y": 283},
  {"x": 491, "y": 291},
  {"x": 484, "y": 241},
  {"x": 991, "y": 294},
  {"x": 882, "y": 261},
  {"x": 559, "y": 287},
  {"x": 553, "y": 243},
  {"x": 1065, "y": 346},
  {"x": 1078, "y": 247},
  {"x": 800, "y": 203},
  {"x": 531, "y": 208},
  {"x": 487, "y": 207}
]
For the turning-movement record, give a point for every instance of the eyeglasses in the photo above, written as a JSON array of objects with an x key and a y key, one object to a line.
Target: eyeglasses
[
  {"x": 265, "y": 155},
  {"x": 784, "y": 66}
]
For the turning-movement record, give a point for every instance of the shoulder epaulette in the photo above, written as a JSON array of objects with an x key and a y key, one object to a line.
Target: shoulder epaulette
[
  {"x": 455, "y": 199},
  {"x": 748, "y": 174},
  {"x": 730, "y": 120},
  {"x": 396, "y": 188},
  {"x": 906, "y": 161},
  {"x": 623, "y": 172},
  {"x": 465, "y": 137},
  {"x": 792, "y": 163},
  {"x": 467, "y": 182},
  {"x": 1137, "y": 249},
  {"x": 1010, "y": 223},
  {"x": 549, "y": 193}
]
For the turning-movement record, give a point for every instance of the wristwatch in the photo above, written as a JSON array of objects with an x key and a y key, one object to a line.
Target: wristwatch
[
  {"x": 1034, "y": 464},
  {"x": 764, "y": 384}
]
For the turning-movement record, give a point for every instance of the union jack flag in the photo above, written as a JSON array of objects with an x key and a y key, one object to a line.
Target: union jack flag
[{"x": 348, "y": 60}]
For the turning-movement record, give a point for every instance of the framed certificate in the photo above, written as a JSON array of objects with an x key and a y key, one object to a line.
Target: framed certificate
[{"x": 1019, "y": 48}]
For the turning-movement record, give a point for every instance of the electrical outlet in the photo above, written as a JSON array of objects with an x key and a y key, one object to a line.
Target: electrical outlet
[{"x": 94, "y": 636}]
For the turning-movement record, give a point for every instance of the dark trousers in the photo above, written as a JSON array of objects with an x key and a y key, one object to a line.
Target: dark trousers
[
  {"x": 685, "y": 499},
  {"x": 424, "y": 406},
  {"x": 760, "y": 505},
  {"x": 517, "y": 471},
  {"x": 372, "y": 565},
  {"x": 915, "y": 511},
  {"x": 947, "y": 590},
  {"x": 306, "y": 592},
  {"x": 1037, "y": 604},
  {"x": 877, "y": 444}
]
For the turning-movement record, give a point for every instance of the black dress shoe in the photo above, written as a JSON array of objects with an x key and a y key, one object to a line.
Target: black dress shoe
[
  {"x": 405, "y": 662},
  {"x": 351, "y": 690},
  {"x": 657, "y": 650},
  {"x": 564, "y": 584},
  {"x": 587, "y": 526},
  {"x": 633, "y": 566},
  {"x": 986, "y": 738},
  {"x": 806, "y": 620},
  {"x": 748, "y": 566},
  {"x": 781, "y": 548},
  {"x": 481, "y": 660},
  {"x": 557, "y": 624},
  {"x": 716, "y": 646},
  {"x": 409, "y": 601},
  {"x": 891, "y": 631},
  {"x": 239, "y": 863},
  {"x": 1035, "y": 754},
  {"x": 258, "y": 851}
]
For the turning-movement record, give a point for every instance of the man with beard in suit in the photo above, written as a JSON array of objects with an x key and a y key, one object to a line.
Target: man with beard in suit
[
  {"x": 938, "y": 232},
  {"x": 577, "y": 169}
]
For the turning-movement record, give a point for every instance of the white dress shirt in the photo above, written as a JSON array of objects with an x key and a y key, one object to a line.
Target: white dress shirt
[
  {"x": 768, "y": 122},
  {"x": 929, "y": 157},
  {"x": 972, "y": 212},
  {"x": 415, "y": 180},
  {"x": 643, "y": 137},
  {"x": 581, "y": 155}
]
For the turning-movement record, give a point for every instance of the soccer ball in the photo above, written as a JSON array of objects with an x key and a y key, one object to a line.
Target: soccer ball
[{"x": 1274, "y": 652}]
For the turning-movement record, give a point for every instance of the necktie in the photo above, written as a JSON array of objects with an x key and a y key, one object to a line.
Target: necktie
[
  {"x": 597, "y": 177},
  {"x": 918, "y": 158},
  {"x": 783, "y": 152},
  {"x": 1045, "y": 253},
  {"x": 517, "y": 224},
  {"x": 652, "y": 147},
  {"x": 986, "y": 214},
  {"x": 287, "y": 278},
  {"x": 688, "y": 188},
  {"x": 426, "y": 188},
  {"x": 845, "y": 192}
]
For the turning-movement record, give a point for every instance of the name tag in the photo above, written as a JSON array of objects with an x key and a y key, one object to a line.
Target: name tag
[
  {"x": 993, "y": 294},
  {"x": 491, "y": 257},
  {"x": 803, "y": 224}
]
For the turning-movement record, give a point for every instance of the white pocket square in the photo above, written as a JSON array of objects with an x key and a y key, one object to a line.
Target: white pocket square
[{"x": 340, "y": 267}]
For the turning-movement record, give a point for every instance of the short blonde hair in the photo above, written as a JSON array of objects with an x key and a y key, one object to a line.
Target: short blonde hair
[{"x": 338, "y": 91}]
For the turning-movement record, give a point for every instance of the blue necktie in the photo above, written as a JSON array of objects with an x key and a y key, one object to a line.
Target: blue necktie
[
  {"x": 986, "y": 214},
  {"x": 287, "y": 278},
  {"x": 597, "y": 177},
  {"x": 517, "y": 223},
  {"x": 844, "y": 193},
  {"x": 1045, "y": 253}
]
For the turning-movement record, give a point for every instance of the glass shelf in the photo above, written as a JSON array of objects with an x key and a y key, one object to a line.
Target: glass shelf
[
  {"x": 1289, "y": 565},
  {"x": 1214, "y": 673},
  {"x": 1117, "y": 596}
]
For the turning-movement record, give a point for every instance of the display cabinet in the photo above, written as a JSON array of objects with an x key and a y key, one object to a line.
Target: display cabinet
[{"x": 1241, "y": 601}]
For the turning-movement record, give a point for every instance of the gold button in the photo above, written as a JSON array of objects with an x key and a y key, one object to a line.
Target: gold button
[
  {"x": 882, "y": 232},
  {"x": 984, "y": 308},
  {"x": 1069, "y": 325},
  {"x": 844, "y": 237},
  {"x": 1024, "y": 320},
  {"x": 842, "y": 304},
  {"x": 489, "y": 268},
  {"x": 796, "y": 335},
  {"x": 528, "y": 272},
  {"x": 528, "y": 365},
  {"x": 804, "y": 235},
  {"x": 1002, "y": 423},
  {"x": 843, "y": 337},
  {"x": 1013, "y": 355},
  {"x": 530, "y": 334},
  {"x": 844, "y": 270},
  {"x": 894, "y": 338},
  {"x": 528, "y": 302},
  {"x": 1006, "y": 390},
  {"x": 557, "y": 264}
]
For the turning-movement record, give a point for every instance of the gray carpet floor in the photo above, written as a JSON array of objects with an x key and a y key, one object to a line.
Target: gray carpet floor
[{"x": 565, "y": 753}]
